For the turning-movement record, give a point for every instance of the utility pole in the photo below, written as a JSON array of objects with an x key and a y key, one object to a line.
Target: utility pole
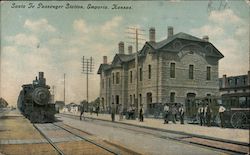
[
  {"x": 135, "y": 35},
  {"x": 64, "y": 75},
  {"x": 53, "y": 94},
  {"x": 87, "y": 68}
]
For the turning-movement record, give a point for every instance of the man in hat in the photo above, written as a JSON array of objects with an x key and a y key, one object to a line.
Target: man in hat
[
  {"x": 222, "y": 109},
  {"x": 113, "y": 112},
  {"x": 201, "y": 114},
  {"x": 166, "y": 113},
  {"x": 181, "y": 111},
  {"x": 82, "y": 111}
]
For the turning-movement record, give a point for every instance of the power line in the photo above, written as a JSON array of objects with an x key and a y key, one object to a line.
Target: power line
[{"x": 87, "y": 68}]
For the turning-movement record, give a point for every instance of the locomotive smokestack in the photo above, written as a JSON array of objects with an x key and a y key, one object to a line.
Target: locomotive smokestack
[{"x": 40, "y": 75}]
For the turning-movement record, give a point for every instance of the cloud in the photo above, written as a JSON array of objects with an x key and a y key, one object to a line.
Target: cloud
[
  {"x": 23, "y": 40},
  {"x": 224, "y": 17},
  {"x": 81, "y": 26},
  {"x": 39, "y": 25},
  {"x": 233, "y": 44},
  {"x": 211, "y": 30},
  {"x": 108, "y": 28}
]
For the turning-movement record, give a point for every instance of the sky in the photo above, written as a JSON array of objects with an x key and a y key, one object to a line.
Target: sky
[{"x": 54, "y": 40}]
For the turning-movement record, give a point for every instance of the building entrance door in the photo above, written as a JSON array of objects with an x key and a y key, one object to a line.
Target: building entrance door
[{"x": 117, "y": 102}]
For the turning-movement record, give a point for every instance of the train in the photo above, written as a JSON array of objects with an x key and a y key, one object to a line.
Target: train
[{"x": 34, "y": 101}]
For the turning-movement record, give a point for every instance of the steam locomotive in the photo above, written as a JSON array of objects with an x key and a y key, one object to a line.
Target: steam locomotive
[{"x": 34, "y": 101}]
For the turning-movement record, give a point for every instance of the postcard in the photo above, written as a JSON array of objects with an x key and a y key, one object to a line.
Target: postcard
[{"x": 125, "y": 77}]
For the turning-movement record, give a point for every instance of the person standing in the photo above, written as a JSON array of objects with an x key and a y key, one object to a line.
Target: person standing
[
  {"x": 81, "y": 111},
  {"x": 120, "y": 112},
  {"x": 207, "y": 112},
  {"x": 181, "y": 111},
  {"x": 113, "y": 112},
  {"x": 166, "y": 113},
  {"x": 201, "y": 114},
  {"x": 97, "y": 110},
  {"x": 141, "y": 114},
  {"x": 222, "y": 109},
  {"x": 174, "y": 113}
]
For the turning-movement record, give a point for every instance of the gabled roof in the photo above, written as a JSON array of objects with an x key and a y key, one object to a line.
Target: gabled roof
[
  {"x": 103, "y": 67},
  {"x": 181, "y": 35},
  {"x": 126, "y": 57}
]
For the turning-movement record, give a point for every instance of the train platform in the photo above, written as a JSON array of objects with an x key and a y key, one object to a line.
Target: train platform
[
  {"x": 227, "y": 134},
  {"x": 18, "y": 136}
]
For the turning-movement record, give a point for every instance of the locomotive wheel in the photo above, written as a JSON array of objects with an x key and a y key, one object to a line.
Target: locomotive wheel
[{"x": 238, "y": 120}]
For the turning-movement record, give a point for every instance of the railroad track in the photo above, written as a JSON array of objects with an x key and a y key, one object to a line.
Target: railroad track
[
  {"x": 222, "y": 145},
  {"x": 52, "y": 131}
]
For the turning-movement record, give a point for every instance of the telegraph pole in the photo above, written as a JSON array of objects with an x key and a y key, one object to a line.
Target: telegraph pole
[
  {"x": 64, "y": 75},
  {"x": 135, "y": 35},
  {"x": 87, "y": 68}
]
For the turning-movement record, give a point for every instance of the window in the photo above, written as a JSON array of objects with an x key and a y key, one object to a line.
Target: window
[
  {"x": 113, "y": 78},
  {"x": 131, "y": 76},
  {"x": 149, "y": 71},
  {"x": 117, "y": 77},
  {"x": 172, "y": 97},
  {"x": 244, "y": 81},
  {"x": 140, "y": 99},
  {"x": 191, "y": 71},
  {"x": 236, "y": 82},
  {"x": 140, "y": 74},
  {"x": 130, "y": 98},
  {"x": 172, "y": 70},
  {"x": 208, "y": 73}
]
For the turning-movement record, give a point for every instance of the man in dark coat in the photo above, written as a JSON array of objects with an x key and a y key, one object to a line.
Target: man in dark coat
[
  {"x": 207, "y": 112},
  {"x": 113, "y": 112},
  {"x": 82, "y": 111}
]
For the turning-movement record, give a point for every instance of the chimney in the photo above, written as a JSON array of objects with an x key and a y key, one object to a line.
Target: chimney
[
  {"x": 152, "y": 34},
  {"x": 121, "y": 47},
  {"x": 130, "y": 49},
  {"x": 105, "y": 59},
  {"x": 205, "y": 38},
  {"x": 170, "y": 31},
  {"x": 224, "y": 81}
]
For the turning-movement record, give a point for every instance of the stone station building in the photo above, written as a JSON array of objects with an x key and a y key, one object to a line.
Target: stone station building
[{"x": 175, "y": 69}]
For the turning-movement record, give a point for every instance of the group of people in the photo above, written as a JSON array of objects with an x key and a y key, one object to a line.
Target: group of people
[
  {"x": 205, "y": 113},
  {"x": 172, "y": 112}
]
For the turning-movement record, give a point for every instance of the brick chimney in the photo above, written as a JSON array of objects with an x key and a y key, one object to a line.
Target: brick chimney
[
  {"x": 224, "y": 81},
  {"x": 170, "y": 31},
  {"x": 205, "y": 38},
  {"x": 121, "y": 47},
  {"x": 152, "y": 34},
  {"x": 105, "y": 59},
  {"x": 130, "y": 49}
]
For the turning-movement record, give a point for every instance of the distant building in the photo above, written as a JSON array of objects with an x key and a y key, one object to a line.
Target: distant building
[
  {"x": 176, "y": 69},
  {"x": 236, "y": 90},
  {"x": 59, "y": 105}
]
